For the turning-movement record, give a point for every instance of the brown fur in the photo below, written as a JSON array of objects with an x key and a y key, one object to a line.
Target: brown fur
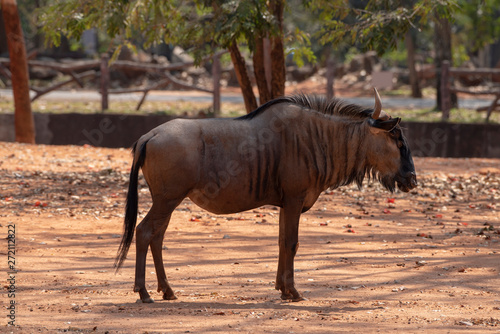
[{"x": 285, "y": 153}]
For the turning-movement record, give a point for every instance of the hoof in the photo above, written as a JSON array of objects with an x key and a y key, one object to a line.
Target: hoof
[
  {"x": 169, "y": 297},
  {"x": 148, "y": 300},
  {"x": 291, "y": 297},
  {"x": 298, "y": 299}
]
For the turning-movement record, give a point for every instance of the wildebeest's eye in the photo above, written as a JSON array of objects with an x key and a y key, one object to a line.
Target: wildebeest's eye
[{"x": 396, "y": 135}]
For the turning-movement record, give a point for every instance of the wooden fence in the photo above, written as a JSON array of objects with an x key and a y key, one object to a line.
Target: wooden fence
[
  {"x": 80, "y": 70},
  {"x": 447, "y": 75},
  {"x": 85, "y": 69}
]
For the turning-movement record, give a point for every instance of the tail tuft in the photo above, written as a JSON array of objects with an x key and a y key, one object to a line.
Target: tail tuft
[{"x": 131, "y": 206}]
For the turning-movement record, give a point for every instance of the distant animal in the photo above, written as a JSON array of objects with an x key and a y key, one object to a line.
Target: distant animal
[{"x": 285, "y": 153}]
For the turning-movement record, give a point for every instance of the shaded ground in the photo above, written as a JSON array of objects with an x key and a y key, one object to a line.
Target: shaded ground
[{"x": 369, "y": 261}]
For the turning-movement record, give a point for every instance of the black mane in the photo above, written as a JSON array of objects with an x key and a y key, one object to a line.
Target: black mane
[{"x": 317, "y": 103}]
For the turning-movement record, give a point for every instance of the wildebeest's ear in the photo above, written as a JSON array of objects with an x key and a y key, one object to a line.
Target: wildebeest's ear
[{"x": 386, "y": 125}]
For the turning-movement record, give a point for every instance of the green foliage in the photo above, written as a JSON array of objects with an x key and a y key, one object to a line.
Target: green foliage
[
  {"x": 299, "y": 46},
  {"x": 460, "y": 55},
  {"x": 479, "y": 23},
  {"x": 397, "y": 57},
  {"x": 242, "y": 19},
  {"x": 118, "y": 19},
  {"x": 379, "y": 24},
  {"x": 350, "y": 54},
  {"x": 202, "y": 26}
]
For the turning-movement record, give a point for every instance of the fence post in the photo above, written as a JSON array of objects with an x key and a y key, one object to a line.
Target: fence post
[
  {"x": 330, "y": 77},
  {"x": 104, "y": 81},
  {"x": 216, "y": 74},
  {"x": 445, "y": 90}
]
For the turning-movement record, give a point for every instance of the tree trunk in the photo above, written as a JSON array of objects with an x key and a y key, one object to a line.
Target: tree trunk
[
  {"x": 442, "y": 45},
  {"x": 242, "y": 76},
  {"x": 277, "y": 51},
  {"x": 330, "y": 73},
  {"x": 268, "y": 64},
  {"x": 259, "y": 69},
  {"x": 410, "y": 49},
  {"x": 23, "y": 117}
]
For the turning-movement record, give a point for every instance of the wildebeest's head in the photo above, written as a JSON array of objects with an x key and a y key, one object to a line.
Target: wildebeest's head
[{"x": 389, "y": 154}]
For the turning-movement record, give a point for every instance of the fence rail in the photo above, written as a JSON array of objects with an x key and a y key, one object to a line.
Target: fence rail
[
  {"x": 447, "y": 74},
  {"x": 101, "y": 68}
]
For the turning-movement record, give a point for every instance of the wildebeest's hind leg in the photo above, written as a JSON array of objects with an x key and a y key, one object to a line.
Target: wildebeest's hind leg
[
  {"x": 156, "y": 250},
  {"x": 150, "y": 232},
  {"x": 288, "y": 245}
]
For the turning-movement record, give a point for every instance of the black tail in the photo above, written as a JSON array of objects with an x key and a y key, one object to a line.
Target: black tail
[{"x": 131, "y": 207}]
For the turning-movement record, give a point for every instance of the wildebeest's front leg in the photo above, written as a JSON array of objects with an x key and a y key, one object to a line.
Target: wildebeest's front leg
[{"x": 288, "y": 245}]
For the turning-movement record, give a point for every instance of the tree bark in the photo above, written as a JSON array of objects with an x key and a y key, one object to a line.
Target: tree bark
[
  {"x": 330, "y": 73},
  {"x": 104, "y": 82},
  {"x": 277, "y": 51},
  {"x": 259, "y": 69},
  {"x": 268, "y": 62},
  {"x": 442, "y": 45},
  {"x": 410, "y": 49},
  {"x": 445, "y": 90},
  {"x": 242, "y": 76},
  {"x": 216, "y": 71},
  {"x": 23, "y": 117}
]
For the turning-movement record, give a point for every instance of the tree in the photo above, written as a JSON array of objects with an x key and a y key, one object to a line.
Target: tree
[
  {"x": 478, "y": 23},
  {"x": 257, "y": 23},
  {"x": 23, "y": 117},
  {"x": 442, "y": 47},
  {"x": 204, "y": 26},
  {"x": 200, "y": 26},
  {"x": 410, "y": 49},
  {"x": 380, "y": 24}
]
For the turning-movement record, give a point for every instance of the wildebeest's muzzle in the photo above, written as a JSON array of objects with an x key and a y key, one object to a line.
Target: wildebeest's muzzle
[{"x": 407, "y": 182}]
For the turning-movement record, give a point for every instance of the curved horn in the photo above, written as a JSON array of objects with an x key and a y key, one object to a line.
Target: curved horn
[{"x": 378, "y": 105}]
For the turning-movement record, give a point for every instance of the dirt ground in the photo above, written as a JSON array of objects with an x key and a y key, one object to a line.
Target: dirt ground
[{"x": 369, "y": 261}]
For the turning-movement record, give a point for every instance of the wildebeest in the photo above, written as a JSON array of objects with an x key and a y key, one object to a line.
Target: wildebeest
[{"x": 285, "y": 153}]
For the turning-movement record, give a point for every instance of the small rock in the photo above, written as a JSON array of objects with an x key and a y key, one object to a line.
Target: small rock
[{"x": 465, "y": 323}]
